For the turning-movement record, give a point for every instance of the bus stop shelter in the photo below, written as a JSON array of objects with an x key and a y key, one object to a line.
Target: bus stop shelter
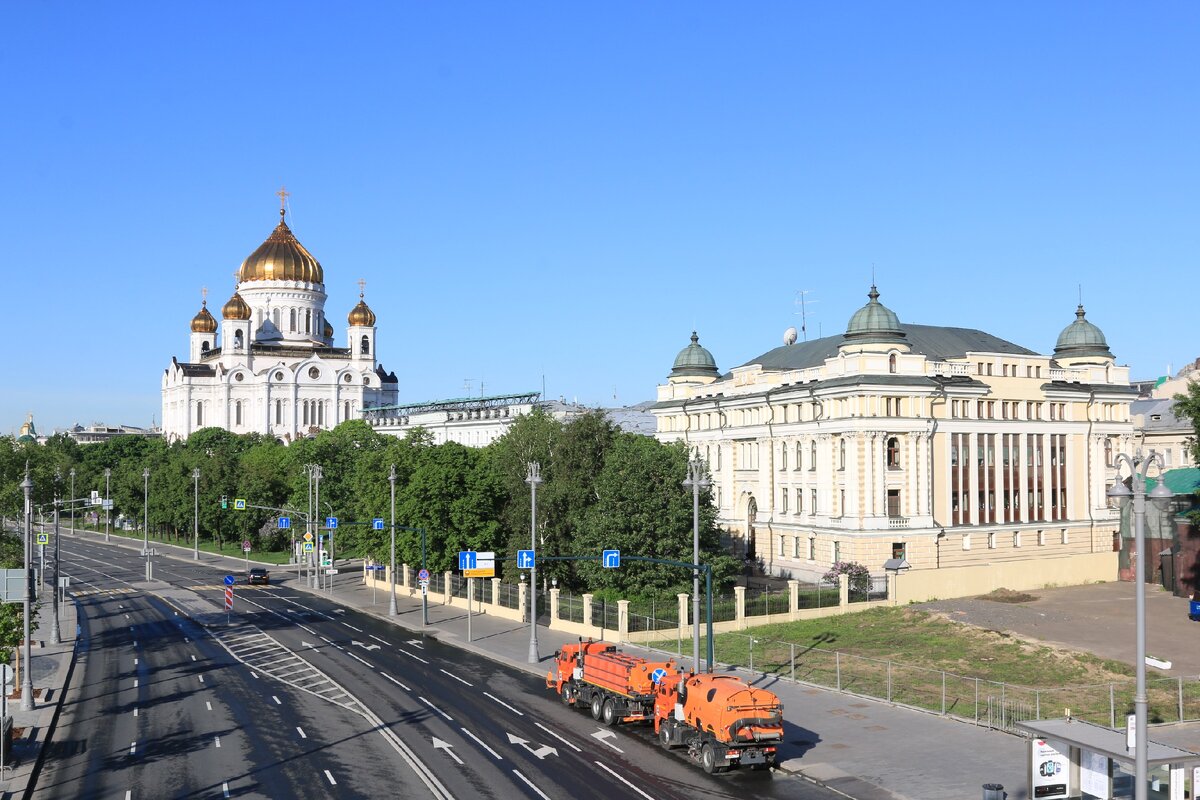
[{"x": 1070, "y": 758}]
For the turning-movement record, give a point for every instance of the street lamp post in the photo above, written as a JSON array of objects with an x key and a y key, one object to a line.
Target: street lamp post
[
  {"x": 107, "y": 506},
  {"x": 55, "y": 636},
  {"x": 1160, "y": 494},
  {"x": 72, "y": 474},
  {"x": 697, "y": 482},
  {"x": 196, "y": 514},
  {"x": 146, "y": 518},
  {"x": 533, "y": 478},
  {"x": 26, "y": 677},
  {"x": 392, "y": 482}
]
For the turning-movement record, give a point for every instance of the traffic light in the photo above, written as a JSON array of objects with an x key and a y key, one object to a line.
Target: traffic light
[{"x": 224, "y": 501}]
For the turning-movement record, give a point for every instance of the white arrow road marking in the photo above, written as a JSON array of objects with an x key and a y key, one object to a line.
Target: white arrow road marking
[
  {"x": 541, "y": 752},
  {"x": 438, "y": 744},
  {"x": 367, "y": 647},
  {"x": 622, "y": 780},
  {"x": 506, "y": 705},
  {"x": 415, "y": 643},
  {"x": 452, "y": 675},
  {"x": 306, "y": 644},
  {"x": 602, "y": 735},
  {"x": 529, "y": 783},
  {"x": 556, "y": 736},
  {"x": 479, "y": 742}
]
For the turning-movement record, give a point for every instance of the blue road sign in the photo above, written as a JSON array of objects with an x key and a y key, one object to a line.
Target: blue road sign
[
  {"x": 229, "y": 580},
  {"x": 376, "y": 567},
  {"x": 423, "y": 575},
  {"x": 377, "y": 523},
  {"x": 611, "y": 559},
  {"x": 525, "y": 559},
  {"x": 43, "y": 538},
  {"x": 308, "y": 547},
  {"x": 466, "y": 559},
  {"x": 285, "y": 523},
  {"x": 658, "y": 675},
  {"x": 331, "y": 522}
]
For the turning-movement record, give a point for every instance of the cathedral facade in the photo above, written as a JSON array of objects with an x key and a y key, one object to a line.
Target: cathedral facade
[{"x": 271, "y": 366}]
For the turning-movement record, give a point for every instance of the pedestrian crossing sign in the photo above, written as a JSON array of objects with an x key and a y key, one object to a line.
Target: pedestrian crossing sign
[
  {"x": 308, "y": 547},
  {"x": 43, "y": 538}
]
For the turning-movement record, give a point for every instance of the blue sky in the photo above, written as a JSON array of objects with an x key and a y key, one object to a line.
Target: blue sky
[{"x": 565, "y": 189}]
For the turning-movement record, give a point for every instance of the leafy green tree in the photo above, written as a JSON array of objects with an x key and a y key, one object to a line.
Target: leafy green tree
[{"x": 1187, "y": 406}]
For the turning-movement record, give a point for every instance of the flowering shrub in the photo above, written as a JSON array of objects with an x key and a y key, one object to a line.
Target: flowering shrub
[{"x": 859, "y": 576}]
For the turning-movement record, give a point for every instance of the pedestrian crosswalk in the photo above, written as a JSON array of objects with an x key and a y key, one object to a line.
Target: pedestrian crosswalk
[
  {"x": 103, "y": 592},
  {"x": 218, "y": 587}
]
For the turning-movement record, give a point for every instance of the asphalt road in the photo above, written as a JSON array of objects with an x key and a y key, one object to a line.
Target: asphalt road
[{"x": 360, "y": 702}]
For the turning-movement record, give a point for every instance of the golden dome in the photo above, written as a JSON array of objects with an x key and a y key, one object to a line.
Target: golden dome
[
  {"x": 235, "y": 308},
  {"x": 281, "y": 258},
  {"x": 328, "y": 333},
  {"x": 361, "y": 315},
  {"x": 203, "y": 322}
]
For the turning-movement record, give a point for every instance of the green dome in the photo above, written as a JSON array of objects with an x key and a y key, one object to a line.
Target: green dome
[
  {"x": 1081, "y": 339},
  {"x": 874, "y": 322},
  {"x": 695, "y": 360}
]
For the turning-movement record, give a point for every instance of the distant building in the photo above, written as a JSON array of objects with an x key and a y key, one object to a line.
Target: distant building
[
  {"x": 96, "y": 433},
  {"x": 29, "y": 433},
  {"x": 275, "y": 369},
  {"x": 1155, "y": 423},
  {"x": 479, "y": 421},
  {"x": 941, "y": 446}
]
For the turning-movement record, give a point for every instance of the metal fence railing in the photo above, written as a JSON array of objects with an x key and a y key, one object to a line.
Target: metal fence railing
[
  {"x": 570, "y": 608},
  {"x": 509, "y": 596},
  {"x": 436, "y": 582},
  {"x": 874, "y": 588},
  {"x": 816, "y": 595}
]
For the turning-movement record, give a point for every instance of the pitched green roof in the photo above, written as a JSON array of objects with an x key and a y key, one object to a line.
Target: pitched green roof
[{"x": 1185, "y": 480}]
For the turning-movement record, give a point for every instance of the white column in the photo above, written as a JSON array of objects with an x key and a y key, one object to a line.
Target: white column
[
  {"x": 868, "y": 438},
  {"x": 1023, "y": 476},
  {"x": 853, "y": 486},
  {"x": 972, "y": 466}
]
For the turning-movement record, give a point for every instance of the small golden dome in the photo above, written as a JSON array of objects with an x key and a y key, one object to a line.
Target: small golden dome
[
  {"x": 328, "y": 334},
  {"x": 203, "y": 322},
  {"x": 361, "y": 315},
  {"x": 235, "y": 308},
  {"x": 281, "y": 258}
]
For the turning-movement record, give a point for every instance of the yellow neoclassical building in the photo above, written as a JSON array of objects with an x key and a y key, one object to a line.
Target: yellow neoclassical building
[{"x": 946, "y": 447}]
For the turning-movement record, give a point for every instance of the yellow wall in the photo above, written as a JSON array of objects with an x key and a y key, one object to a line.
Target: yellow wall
[{"x": 971, "y": 581}]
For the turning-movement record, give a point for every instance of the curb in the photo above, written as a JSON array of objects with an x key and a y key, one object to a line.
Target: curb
[{"x": 48, "y": 738}]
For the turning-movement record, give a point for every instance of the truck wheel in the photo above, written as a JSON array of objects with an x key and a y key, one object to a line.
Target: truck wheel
[
  {"x": 609, "y": 713},
  {"x": 664, "y": 736},
  {"x": 597, "y": 706},
  {"x": 708, "y": 759},
  {"x": 565, "y": 694}
]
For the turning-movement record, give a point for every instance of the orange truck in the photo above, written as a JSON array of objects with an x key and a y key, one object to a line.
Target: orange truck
[
  {"x": 723, "y": 721},
  {"x": 616, "y": 686}
]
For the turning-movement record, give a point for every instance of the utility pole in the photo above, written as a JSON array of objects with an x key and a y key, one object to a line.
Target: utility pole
[
  {"x": 533, "y": 478},
  {"x": 55, "y": 636},
  {"x": 196, "y": 515},
  {"x": 26, "y": 677},
  {"x": 392, "y": 601},
  {"x": 107, "y": 502},
  {"x": 696, "y": 481}
]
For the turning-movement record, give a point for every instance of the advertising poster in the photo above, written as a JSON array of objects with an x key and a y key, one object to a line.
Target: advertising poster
[
  {"x": 1093, "y": 775},
  {"x": 1051, "y": 771}
]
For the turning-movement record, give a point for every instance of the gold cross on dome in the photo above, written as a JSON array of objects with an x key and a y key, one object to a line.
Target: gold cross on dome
[
  {"x": 362, "y": 287},
  {"x": 284, "y": 194},
  {"x": 203, "y": 295}
]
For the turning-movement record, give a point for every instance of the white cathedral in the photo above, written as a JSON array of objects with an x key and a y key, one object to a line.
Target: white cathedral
[{"x": 275, "y": 369}]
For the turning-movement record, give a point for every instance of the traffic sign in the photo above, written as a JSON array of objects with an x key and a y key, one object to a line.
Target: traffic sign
[
  {"x": 228, "y": 598},
  {"x": 611, "y": 559},
  {"x": 484, "y": 567},
  {"x": 246, "y": 546},
  {"x": 308, "y": 537},
  {"x": 376, "y": 567},
  {"x": 658, "y": 675},
  {"x": 308, "y": 547},
  {"x": 239, "y": 504},
  {"x": 466, "y": 559},
  {"x": 331, "y": 522},
  {"x": 525, "y": 559},
  {"x": 285, "y": 523},
  {"x": 377, "y": 523},
  {"x": 229, "y": 580},
  {"x": 423, "y": 575},
  {"x": 43, "y": 538}
]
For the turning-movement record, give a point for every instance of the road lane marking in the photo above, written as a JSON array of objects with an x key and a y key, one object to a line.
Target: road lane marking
[
  {"x": 363, "y": 661},
  {"x": 225, "y": 789},
  {"x": 529, "y": 783},
  {"x": 622, "y": 780},
  {"x": 135, "y": 662},
  {"x": 452, "y": 675},
  {"x": 556, "y": 736},
  {"x": 193, "y": 658},
  {"x": 603, "y": 736},
  {"x": 276, "y": 699},
  {"x": 376, "y": 638},
  {"x": 306, "y": 629},
  {"x": 135, "y": 711},
  {"x": 412, "y": 655},
  {"x": 435, "y": 708},
  {"x": 201, "y": 677},
  {"x": 332, "y": 782},
  {"x": 351, "y": 627},
  {"x": 132, "y": 748},
  {"x": 479, "y": 742},
  {"x": 506, "y": 705},
  {"x": 208, "y": 704},
  {"x": 326, "y": 641},
  {"x": 253, "y": 674},
  {"x": 135, "y": 683},
  {"x": 217, "y": 740},
  {"x": 393, "y": 680},
  {"x": 300, "y": 731}
]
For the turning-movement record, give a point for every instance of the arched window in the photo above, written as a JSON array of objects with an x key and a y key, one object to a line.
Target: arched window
[
  {"x": 204, "y": 347},
  {"x": 347, "y": 414},
  {"x": 275, "y": 317},
  {"x": 783, "y": 457},
  {"x": 364, "y": 346},
  {"x": 237, "y": 340},
  {"x": 812, "y": 455},
  {"x": 278, "y": 412},
  {"x": 842, "y": 454},
  {"x": 199, "y": 413},
  {"x": 292, "y": 320},
  {"x": 892, "y": 363},
  {"x": 304, "y": 412},
  {"x": 308, "y": 320},
  {"x": 1108, "y": 452},
  {"x": 799, "y": 456},
  {"x": 893, "y": 453},
  {"x": 237, "y": 412}
]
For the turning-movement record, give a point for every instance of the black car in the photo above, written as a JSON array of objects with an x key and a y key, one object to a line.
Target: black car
[{"x": 259, "y": 575}]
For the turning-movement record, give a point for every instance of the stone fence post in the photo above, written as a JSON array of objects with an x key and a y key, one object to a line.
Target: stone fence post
[
  {"x": 739, "y": 604},
  {"x": 523, "y": 600},
  {"x": 553, "y": 606},
  {"x": 622, "y": 620},
  {"x": 793, "y": 600},
  {"x": 685, "y": 616},
  {"x": 587, "y": 610},
  {"x": 843, "y": 590}
]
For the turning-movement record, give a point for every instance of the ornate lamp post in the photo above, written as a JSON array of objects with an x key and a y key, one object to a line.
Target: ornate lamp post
[
  {"x": 533, "y": 478},
  {"x": 26, "y": 677},
  {"x": 146, "y": 518},
  {"x": 196, "y": 514},
  {"x": 697, "y": 481},
  {"x": 1160, "y": 495},
  {"x": 392, "y": 482},
  {"x": 55, "y": 636},
  {"x": 107, "y": 507}
]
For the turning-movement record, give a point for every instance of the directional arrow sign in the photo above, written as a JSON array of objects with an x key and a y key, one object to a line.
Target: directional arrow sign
[
  {"x": 367, "y": 647},
  {"x": 415, "y": 643},
  {"x": 438, "y": 744},
  {"x": 306, "y": 644},
  {"x": 541, "y": 752},
  {"x": 603, "y": 735}
]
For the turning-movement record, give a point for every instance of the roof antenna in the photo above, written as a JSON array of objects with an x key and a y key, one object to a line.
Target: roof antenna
[{"x": 803, "y": 301}]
